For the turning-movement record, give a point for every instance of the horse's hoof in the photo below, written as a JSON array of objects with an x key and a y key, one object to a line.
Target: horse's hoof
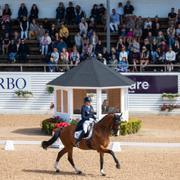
[
  {"x": 103, "y": 174},
  {"x": 57, "y": 171},
  {"x": 79, "y": 172},
  {"x": 118, "y": 166}
]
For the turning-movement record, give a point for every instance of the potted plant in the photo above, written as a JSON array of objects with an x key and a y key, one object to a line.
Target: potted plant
[
  {"x": 50, "y": 90},
  {"x": 169, "y": 96},
  {"x": 25, "y": 94}
]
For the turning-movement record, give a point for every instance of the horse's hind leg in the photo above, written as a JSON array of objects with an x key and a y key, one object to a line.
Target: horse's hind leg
[
  {"x": 101, "y": 164},
  {"x": 60, "y": 154},
  {"x": 70, "y": 159}
]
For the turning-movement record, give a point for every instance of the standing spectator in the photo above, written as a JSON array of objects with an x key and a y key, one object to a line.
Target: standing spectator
[
  {"x": 54, "y": 60},
  {"x": 34, "y": 12},
  {"x": 5, "y": 44},
  {"x": 70, "y": 14},
  {"x": 128, "y": 8},
  {"x": 144, "y": 58},
  {"x": 114, "y": 21},
  {"x": 22, "y": 12},
  {"x": 172, "y": 17},
  {"x": 74, "y": 57},
  {"x": 60, "y": 12},
  {"x": 95, "y": 13},
  {"x": 12, "y": 51},
  {"x": 170, "y": 59},
  {"x": 171, "y": 35},
  {"x": 6, "y": 15},
  {"x": 45, "y": 42},
  {"x": 79, "y": 14},
  {"x": 78, "y": 41},
  {"x": 24, "y": 25},
  {"x": 83, "y": 26},
  {"x": 23, "y": 52},
  {"x": 33, "y": 30},
  {"x": 120, "y": 11}
]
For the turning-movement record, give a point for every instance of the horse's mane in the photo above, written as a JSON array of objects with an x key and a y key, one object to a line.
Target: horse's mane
[{"x": 105, "y": 118}]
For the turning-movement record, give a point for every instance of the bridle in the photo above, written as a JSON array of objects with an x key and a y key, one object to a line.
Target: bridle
[{"x": 116, "y": 123}]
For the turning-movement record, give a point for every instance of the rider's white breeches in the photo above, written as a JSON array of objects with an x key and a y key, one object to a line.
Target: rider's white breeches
[{"x": 86, "y": 125}]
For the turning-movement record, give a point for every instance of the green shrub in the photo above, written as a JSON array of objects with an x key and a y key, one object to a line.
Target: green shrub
[
  {"x": 50, "y": 89},
  {"x": 130, "y": 127}
]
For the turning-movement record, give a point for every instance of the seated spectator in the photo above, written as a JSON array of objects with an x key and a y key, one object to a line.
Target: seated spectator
[
  {"x": 60, "y": 12},
  {"x": 22, "y": 12},
  {"x": 60, "y": 45},
  {"x": 144, "y": 58},
  {"x": 130, "y": 22},
  {"x": 114, "y": 21},
  {"x": 33, "y": 29},
  {"x": 78, "y": 41},
  {"x": 64, "y": 59},
  {"x": 5, "y": 43},
  {"x": 160, "y": 58},
  {"x": 79, "y": 14},
  {"x": 147, "y": 44},
  {"x": 178, "y": 32},
  {"x": 153, "y": 51},
  {"x": 99, "y": 48},
  {"x": 148, "y": 23},
  {"x": 92, "y": 24},
  {"x": 139, "y": 22},
  {"x": 1, "y": 13},
  {"x": 40, "y": 33},
  {"x": 160, "y": 37},
  {"x": 70, "y": 14},
  {"x": 172, "y": 17},
  {"x": 85, "y": 45},
  {"x": 170, "y": 59},
  {"x": 150, "y": 37},
  {"x": 64, "y": 33},
  {"x": 46, "y": 24},
  {"x": 130, "y": 34},
  {"x": 101, "y": 14},
  {"x": 54, "y": 60},
  {"x": 106, "y": 55},
  {"x": 34, "y": 12},
  {"x": 24, "y": 25},
  {"x": 16, "y": 38},
  {"x": 74, "y": 57},
  {"x": 178, "y": 17},
  {"x": 123, "y": 60},
  {"x": 119, "y": 44},
  {"x": 120, "y": 11},
  {"x": 23, "y": 51},
  {"x": 6, "y": 15},
  {"x": 95, "y": 13},
  {"x": 101, "y": 58},
  {"x": 138, "y": 33},
  {"x": 113, "y": 61},
  {"x": 53, "y": 31},
  {"x": 45, "y": 42},
  {"x": 12, "y": 52},
  {"x": 128, "y": 9},
  {"x": 171, "y": 31},
  {"x": 123, "y": 31},
  {"x": 155, "y": 26},
  {"x": 83, "y": 26}
]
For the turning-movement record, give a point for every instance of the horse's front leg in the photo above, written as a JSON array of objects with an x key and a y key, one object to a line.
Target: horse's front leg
[
  {"x": 108, "y": 151},
  {"x": 70, "y": 159},
  {"x": 60, "y": 154},
  {"x": 102, "y": 163}
]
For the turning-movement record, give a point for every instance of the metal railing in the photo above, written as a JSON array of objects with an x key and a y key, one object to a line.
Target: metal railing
[{"x": 65, "y": 67}]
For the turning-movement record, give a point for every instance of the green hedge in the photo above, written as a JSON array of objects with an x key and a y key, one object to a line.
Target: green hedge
[{"x": 130, "y": 127}]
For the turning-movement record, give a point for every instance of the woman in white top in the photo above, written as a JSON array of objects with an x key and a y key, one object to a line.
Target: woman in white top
[{"x": 170, "y": 59}]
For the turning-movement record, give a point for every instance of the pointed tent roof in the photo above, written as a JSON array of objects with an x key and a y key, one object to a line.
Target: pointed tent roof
[{"x": 91, "y": 73}]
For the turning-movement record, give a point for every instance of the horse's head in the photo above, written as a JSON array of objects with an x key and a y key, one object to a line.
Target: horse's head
[{"x": 116, "y": 123}]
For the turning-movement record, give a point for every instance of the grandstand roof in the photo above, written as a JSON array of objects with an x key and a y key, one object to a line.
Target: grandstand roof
[{"x": 91, "y": 73}]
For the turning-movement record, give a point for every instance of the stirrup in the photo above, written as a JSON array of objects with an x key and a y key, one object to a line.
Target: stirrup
[{"x": 77, "y": 144}]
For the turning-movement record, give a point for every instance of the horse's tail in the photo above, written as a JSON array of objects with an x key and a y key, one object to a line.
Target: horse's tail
[{"x": 45, "y": 144}]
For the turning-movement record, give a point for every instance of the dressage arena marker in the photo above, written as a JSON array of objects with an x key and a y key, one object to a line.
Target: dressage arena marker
[
  {"x": 122, "y": 144},
  {"x": 9, "y": 145}
]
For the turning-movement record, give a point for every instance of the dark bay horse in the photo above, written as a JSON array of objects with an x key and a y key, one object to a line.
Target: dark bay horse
[{"x": 99, "y": 141}]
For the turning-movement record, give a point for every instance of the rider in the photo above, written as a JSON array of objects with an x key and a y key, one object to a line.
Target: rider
[{"x": 87, "y": 117}]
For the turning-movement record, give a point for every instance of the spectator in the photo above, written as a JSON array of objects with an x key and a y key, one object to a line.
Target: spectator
[
  {"x": 23, "y": 51},
  {"x": 120, "y": 11},
  {"x": 70, "y": 14},
  {"x": 123, "y": 31},
  {"x": 60, "y": 45},
  {"x": 95, "y": 13},
  {"x": 99, "y": 48},
  {"x": 78, "y": 41},
  {"x": 138, "y": 33},
  {"x": 45, "y": 42},
  {"x": 1, "y": 13},
  {"x": 170, "y": 59},
  {"x": 83, "y": 26},
  {"x": 160, "y": 37},
  {"x": 40, "y": 33},
  {"x": 139, "y": 22},
  {"x": 22, "y": 12},
  {"x": 46, "y": 24},
  {"x": 130, "y": 22},
  {"x": 85, "y": 45},
  {"x": 64, "y": 33},
  {"x": 159, "y": 58},
  {"x": 60, "y": 12},
  {"x": 106, "y": 55},
  {"x": 33, "y": 30},
  {"x": 24, "y": 25},
  {"x": 92, "y": 24},
  {"x": 148, "y": 23},
  {"x": 54, "y": 60},
  {"x": 79, "y": 14},
  {"x": 153, "y": 52},
  {"x": 114, "y": 21},
  {"x": 74, "y": 57},
  {"x": 16, "y": 38},
  {"x": 113, "y": 61},
  {"x": 178, "y": 17},
  {"x": 172, "y": 17},
  {"x": 101, "y": 59},
  {"x": 101, "y": 14},
  {"x": 12, "y": 51},
  {"x": 5, "y": 44},
  {"x": 53, "y": 31},
  {"x": 34, "y": 12},
  {"x": 171, "y": 35},
  {"x": 155, "y": 26},
  {"x": 178, "y": 32},
  {"x": 6, "y": 15},
  {"x": 144, "y": 58},
  {"x": 94, "y": 40},
  {"x": 128, "y": 9},
  {"x": 64, "y": 59},
  {"x": 119, "y": 44},
  {"x": 130, "y": 34}
]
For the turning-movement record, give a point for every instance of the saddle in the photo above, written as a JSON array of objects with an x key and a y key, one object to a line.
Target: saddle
[{"x": 79, "y": 129}]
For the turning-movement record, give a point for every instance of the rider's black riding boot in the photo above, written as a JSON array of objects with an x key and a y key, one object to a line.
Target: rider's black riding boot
[{"x": 79, "y": 139}]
